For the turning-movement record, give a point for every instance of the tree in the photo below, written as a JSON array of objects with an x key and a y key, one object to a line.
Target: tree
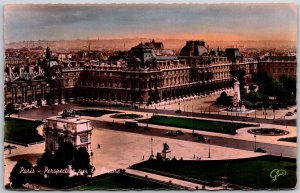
[
  {"x": 290, "y": 84},
  {"x": 224, "y": 99},
  {"x": 262, "y": 78},
  {"x": 18, "y": 176},
  {"x": 279, "y": 91},
  {"x": 9, "y": 109},
  {"x": 252, "y": 87},
  {"x": 82, "y": 160},
  {"x": 254, "y": 97},
  {"x": 47, "y": 159}
]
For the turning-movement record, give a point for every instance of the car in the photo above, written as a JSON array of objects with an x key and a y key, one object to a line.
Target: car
[
  {"x": 289, "y": 114},
  {"x": 179, "y": 132},
  {"x": 178, "y": 111},
  {"x": 261, "y": 150},
  {"x": 170, "y": 133}
]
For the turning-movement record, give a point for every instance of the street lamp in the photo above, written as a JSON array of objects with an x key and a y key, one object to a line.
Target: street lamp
[
  {"x": 147, "y": 121},
  {"x": 208, "y": 148},
  {"x": 187, "y": 110},
  {"x": 151, "y": 148},
  {"x": 254, "y": 143},
  {"x": 285, "y": 122},
  {"x": 92, "y": 156}
]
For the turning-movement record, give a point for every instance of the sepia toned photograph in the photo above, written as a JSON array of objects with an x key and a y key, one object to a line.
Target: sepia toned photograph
[{"x": 150, "y": 96}]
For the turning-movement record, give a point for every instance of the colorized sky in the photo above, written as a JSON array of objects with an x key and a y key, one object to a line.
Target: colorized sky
[{"x": 185, "y": 21}]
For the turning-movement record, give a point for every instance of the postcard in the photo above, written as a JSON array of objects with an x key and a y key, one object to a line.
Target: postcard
[{"x": 150, "y": 96}]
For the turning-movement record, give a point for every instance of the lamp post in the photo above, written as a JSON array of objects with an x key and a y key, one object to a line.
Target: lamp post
[
  {"x": 147, "y": 121},
  {"x": 187, "y": 110},
  {"x": 254, "y": 143},
  {"x": 92, "y": 156},
  {"x": 285, "y": 122},
  {"x": 208, "y": 148},
  {"x": 151, "y": 148}
]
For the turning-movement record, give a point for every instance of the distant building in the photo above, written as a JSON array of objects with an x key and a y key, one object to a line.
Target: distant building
[
  {"x": 279, "y": 65},
  {"x": 67, "y": 127},
  {"x": 139, "y": 76}
]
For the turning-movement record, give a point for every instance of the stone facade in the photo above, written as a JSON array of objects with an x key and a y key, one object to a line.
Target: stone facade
[{"x": 142, "y": 78}]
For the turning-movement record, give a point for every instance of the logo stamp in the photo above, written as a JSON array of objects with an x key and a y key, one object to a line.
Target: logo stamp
[{"x": 276, "y": 173}]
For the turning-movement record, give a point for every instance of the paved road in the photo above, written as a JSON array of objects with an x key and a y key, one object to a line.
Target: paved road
[
  {"x": 286, "y": 151},
  {"x": 45, "y": 112},
  {"x": 216, "y": 116}
]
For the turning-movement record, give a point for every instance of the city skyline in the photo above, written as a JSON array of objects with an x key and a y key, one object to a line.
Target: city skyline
[{"x": 225, "y": 22}]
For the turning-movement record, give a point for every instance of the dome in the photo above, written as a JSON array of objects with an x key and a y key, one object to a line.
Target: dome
[{"x": 194, "y": 48}]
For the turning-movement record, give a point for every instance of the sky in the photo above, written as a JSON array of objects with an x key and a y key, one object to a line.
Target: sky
[{"x": 185, "y": 21}]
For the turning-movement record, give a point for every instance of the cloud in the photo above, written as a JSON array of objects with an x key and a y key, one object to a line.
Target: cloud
[{"x": 58, "y": 21}]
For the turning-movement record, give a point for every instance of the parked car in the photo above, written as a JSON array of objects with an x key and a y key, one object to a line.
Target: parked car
[
  {"x": 261, "y": 150},
  {"x": 179, "y": 132},
  {"x": 289, "y": 114},
  {"x": 170, "y": 133},
  {"x": 178, "y": 111}
]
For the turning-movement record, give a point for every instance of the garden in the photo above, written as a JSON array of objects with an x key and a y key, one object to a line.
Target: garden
[
  {"x": 124, "y": 182},
  {"x": 21, "y": 131},
  {"x": 198, "y": 124},
  {"x": 255, "y": 173}
]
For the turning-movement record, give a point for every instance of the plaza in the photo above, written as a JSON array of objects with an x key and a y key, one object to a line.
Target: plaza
[{"x": 135, "y": 145}]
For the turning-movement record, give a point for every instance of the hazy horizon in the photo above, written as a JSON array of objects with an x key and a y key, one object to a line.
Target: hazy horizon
[{"x": 209, "y": 22}]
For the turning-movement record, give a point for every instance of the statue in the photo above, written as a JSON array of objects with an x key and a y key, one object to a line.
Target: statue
[{"x": 237, "y": 93}]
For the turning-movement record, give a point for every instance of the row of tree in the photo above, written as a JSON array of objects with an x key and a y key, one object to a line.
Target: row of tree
[
  {"x": 283, "y": 89},
  {"x": 66, "y": 155}
]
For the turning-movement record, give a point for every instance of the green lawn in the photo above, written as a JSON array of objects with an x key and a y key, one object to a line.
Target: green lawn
[
  {"x": 21, "y": 131},
  {"x": 289, "y": 139},
  {"x": 123, "y": 182},
  {"x": 251, "y": 172},
  {"x": 93, "y": 112},
  {"x": 203, "y": 125}
]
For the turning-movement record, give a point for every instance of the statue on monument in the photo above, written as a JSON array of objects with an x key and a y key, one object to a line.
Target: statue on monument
[{"x": 237, "y": 93}]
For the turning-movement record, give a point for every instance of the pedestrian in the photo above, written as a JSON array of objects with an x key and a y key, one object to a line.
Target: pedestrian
[
  {"x": 98, "y": 146},
  {"x": 143, "y": 157},
  {"x": 194, "y": 156}
]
